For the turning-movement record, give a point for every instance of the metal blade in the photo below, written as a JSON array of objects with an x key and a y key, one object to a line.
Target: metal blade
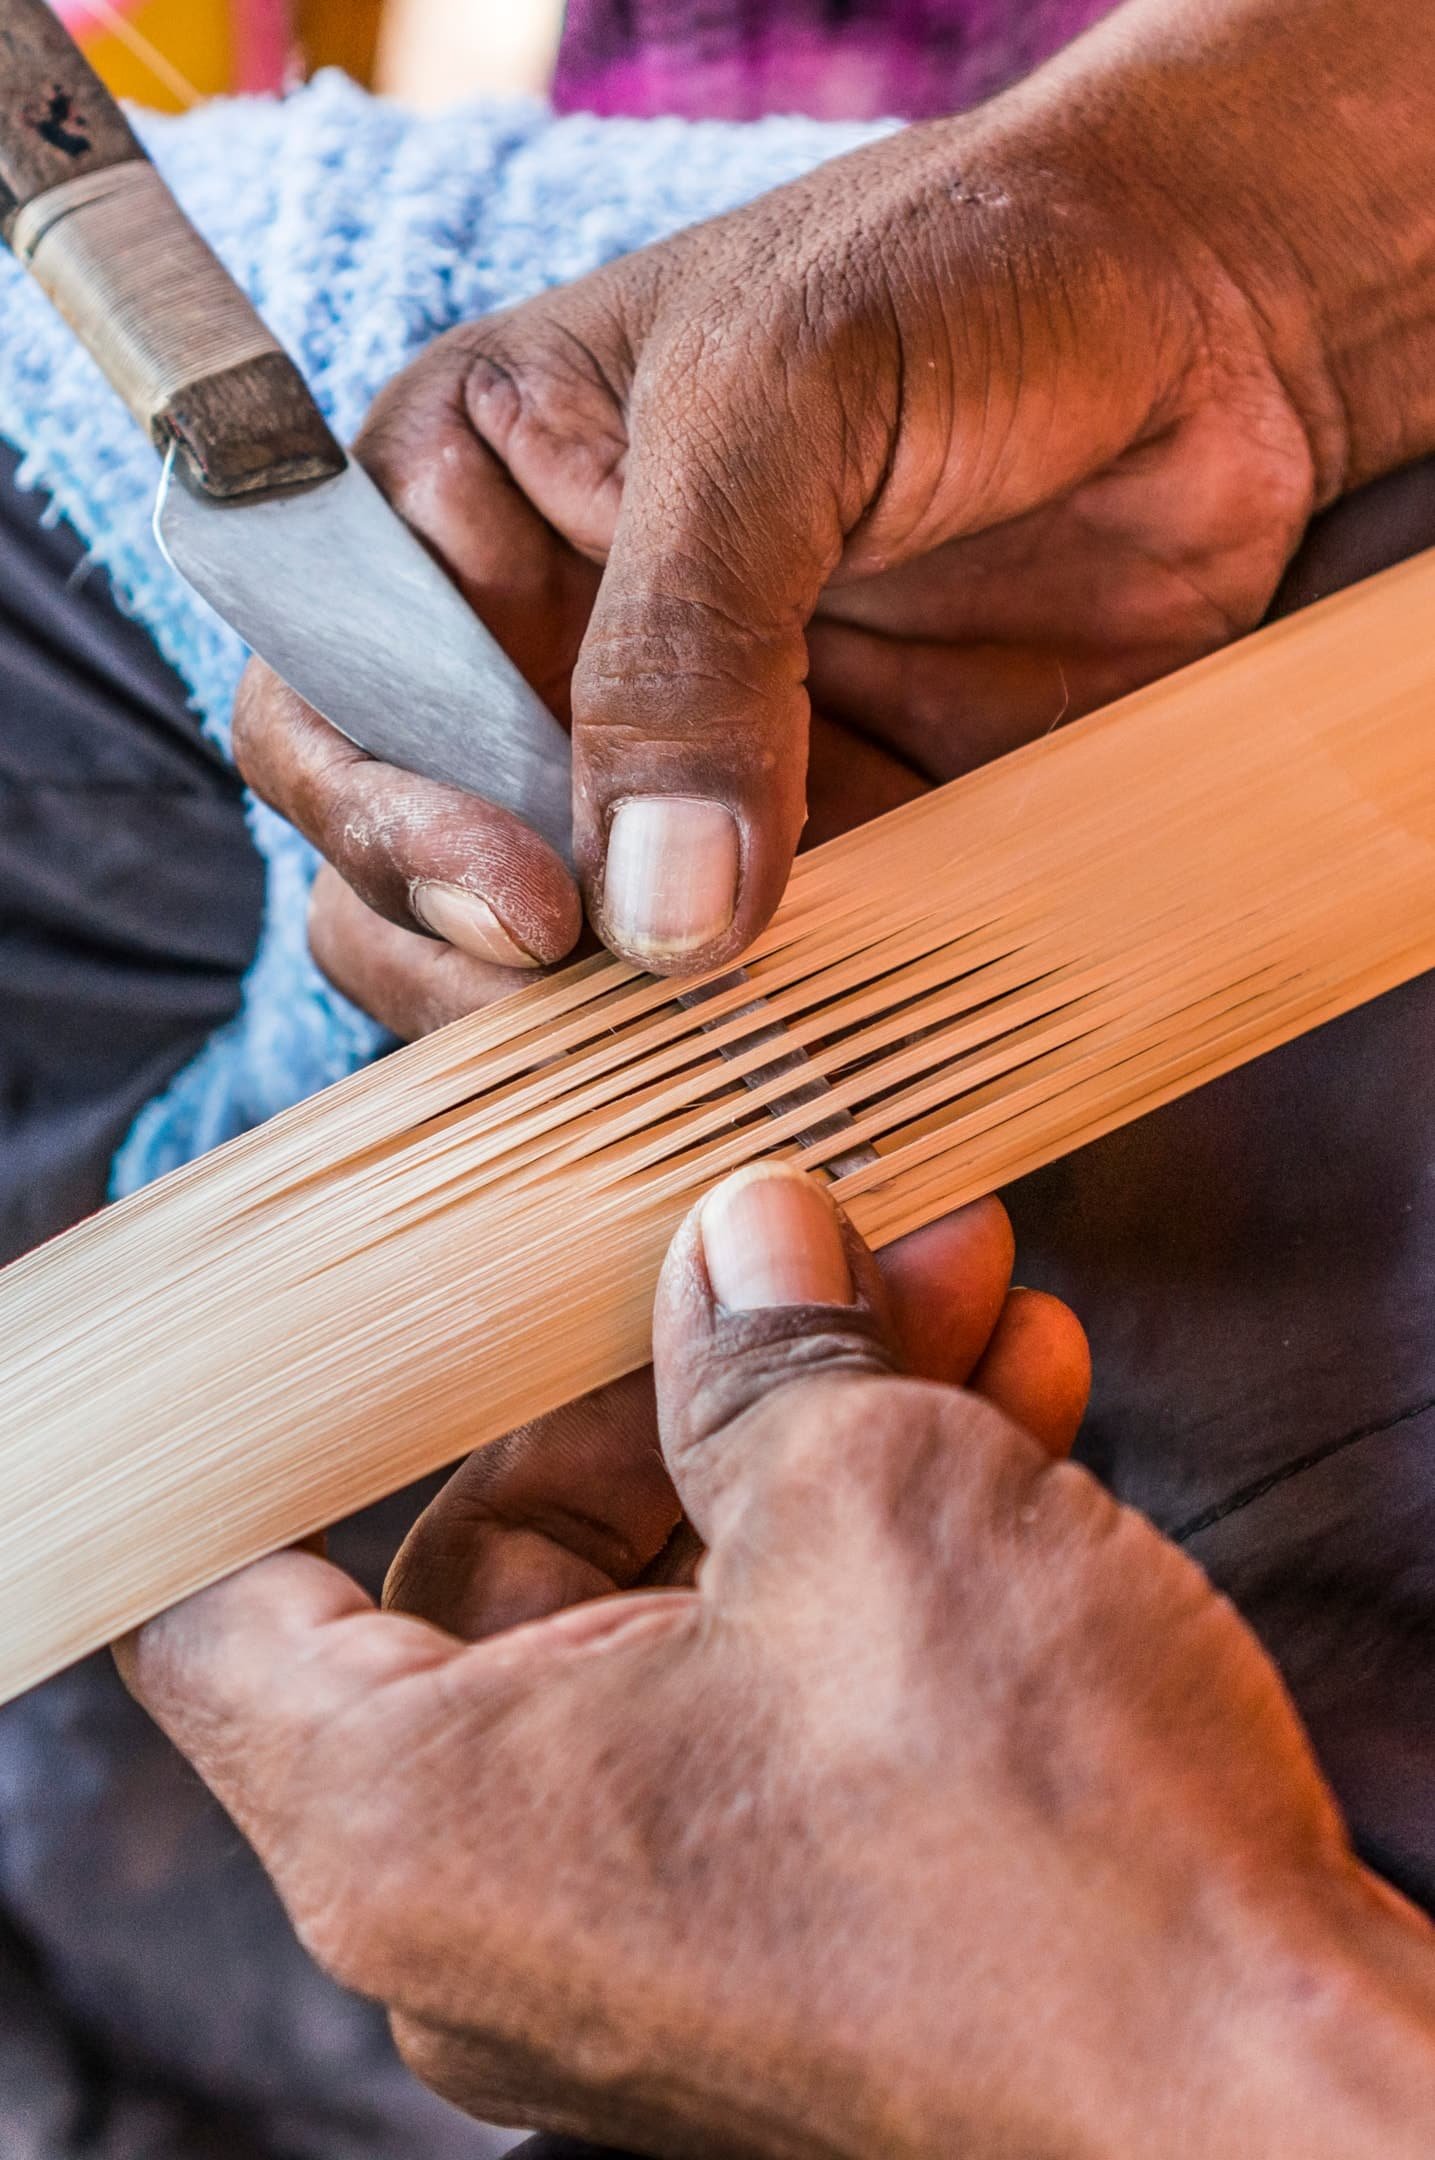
[{"x": 334, "y": 591}]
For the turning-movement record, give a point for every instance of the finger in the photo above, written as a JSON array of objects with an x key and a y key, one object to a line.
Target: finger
[
  {"x": 243, "y": 1676},
  {"x": 423, "y": 444},
  {"x": 767, "y": 1292},
  {"x": 308, "y": 1714},
  {"x": 580, "y": 1505},
  {"x": 429, "y": 857},
  {"x": 425, "y": 856},
  {"x": 690, "y": 711},
  {"x": 410, "y": 984},
  {"x": 1037, "y": 1369},
  {"x": 576, "y": 1506},
  {"x": 946, "y": 1285},
  {"x": 766, "y": 1286},
  {"x": 851, "y": 780},
  {"x": 946, "y": 708},
  {"x": 1130, "y": 558}
]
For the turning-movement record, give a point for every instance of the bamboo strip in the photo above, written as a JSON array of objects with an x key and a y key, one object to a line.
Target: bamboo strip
[{"x": 468, "y": 1234}]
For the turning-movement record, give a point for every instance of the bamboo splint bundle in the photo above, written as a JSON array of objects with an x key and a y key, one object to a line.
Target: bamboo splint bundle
[{"x": 468, "y": 1234}]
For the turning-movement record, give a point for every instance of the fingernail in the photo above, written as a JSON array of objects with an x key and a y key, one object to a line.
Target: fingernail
[
  {"x": 771, "y": 1237},
  {"x": 461, "y": 918},
  {"x": 670, "y": 884}
]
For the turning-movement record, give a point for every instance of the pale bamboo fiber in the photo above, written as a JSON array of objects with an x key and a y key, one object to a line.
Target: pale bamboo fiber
[{"x": 445, "y": 1246}]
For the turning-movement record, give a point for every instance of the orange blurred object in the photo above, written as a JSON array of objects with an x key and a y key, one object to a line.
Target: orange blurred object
[
  {"x": 340, "y": 33},
  {"x": 171, "y": 54}
]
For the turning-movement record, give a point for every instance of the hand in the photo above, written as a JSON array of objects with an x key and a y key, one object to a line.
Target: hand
[
  {"x": 954, "y": 439},
  {"x": 949, "y": 1812}
]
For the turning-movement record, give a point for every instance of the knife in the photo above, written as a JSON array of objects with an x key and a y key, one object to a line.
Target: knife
[{"x": 259, "y": 508}]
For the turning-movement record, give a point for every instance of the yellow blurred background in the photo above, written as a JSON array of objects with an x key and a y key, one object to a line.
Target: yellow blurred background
[{"x": 171, "y": 53}]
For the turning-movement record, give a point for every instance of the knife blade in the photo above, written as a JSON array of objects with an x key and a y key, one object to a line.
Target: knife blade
[
  {"x": 259, "y": 508},
  {"x": 335, "y": 592}
]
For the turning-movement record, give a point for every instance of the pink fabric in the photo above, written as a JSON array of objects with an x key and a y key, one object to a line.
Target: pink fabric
[
  {"x": 264, "y": 44},
  {"x": 833, "y": 59}
]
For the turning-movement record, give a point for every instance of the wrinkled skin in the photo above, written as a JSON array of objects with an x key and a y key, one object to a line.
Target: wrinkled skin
[
  {"x": 948, "y": 1811},
  {"x": 943, "y": 444}
]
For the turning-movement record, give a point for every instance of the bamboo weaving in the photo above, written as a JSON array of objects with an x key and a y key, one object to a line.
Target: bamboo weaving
[{"x": 468, "y": 1234}]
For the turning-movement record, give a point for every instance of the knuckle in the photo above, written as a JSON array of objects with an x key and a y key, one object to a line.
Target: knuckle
[
  {"x": 907, "y": 1467},
  {"x": 1058, "y": 1511},
  {"x": 555, "y": 368},
  {"x": 798, "y": 1387},
  {"x": 651, "y": 640},
  {"x": 426, "y": 394},
  {"x": 550, "y": 403},
  {"x": 830, "y": 1450},
  {"x": 849, "y": 1472},
  {"x": 879, "y": 1448},
  {"x": 837, "y": 1437},
  {"x": 1038, "y": 1540},
  {"x": 657, "y": 710}
]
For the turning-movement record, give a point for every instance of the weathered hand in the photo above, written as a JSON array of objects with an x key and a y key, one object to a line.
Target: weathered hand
[
  {"x": 949, "y": 1812},
  {"x": 955, "y": 437}
]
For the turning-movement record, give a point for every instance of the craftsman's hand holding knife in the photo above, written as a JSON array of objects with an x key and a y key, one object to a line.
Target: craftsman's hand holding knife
[
  {"x": 890, "y": 471},
  {"x": 789, "y": 516}
]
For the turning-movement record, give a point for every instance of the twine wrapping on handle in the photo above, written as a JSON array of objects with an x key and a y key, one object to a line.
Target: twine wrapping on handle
[
  {"x": 123, "y": 264},
  {"x": 174, "y": 333}
]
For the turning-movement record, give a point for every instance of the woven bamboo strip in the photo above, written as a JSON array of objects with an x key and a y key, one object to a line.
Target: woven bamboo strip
[{"x": 468, "y": 1234}]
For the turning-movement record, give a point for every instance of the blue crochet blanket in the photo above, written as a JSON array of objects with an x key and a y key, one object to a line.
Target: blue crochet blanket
[{"x": 361, "y": 231}]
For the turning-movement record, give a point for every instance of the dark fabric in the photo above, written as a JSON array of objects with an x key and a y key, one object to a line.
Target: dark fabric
[
  {"x": 562, "y": 2148},
  {"x": 129, "y": 892}
]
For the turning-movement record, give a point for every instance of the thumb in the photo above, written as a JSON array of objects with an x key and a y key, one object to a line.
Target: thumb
[
  {"x": 766, "y": 1285},
  {"x": 690, "y": 709}
]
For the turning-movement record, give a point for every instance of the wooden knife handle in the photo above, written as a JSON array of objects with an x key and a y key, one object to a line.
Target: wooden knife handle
[
  {"x": 92, "y": 221},
  {"x": 57, "y": 120}
]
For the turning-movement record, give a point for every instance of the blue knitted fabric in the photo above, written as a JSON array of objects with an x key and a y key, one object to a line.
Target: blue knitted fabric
[{"x": 361, "y": 231}]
